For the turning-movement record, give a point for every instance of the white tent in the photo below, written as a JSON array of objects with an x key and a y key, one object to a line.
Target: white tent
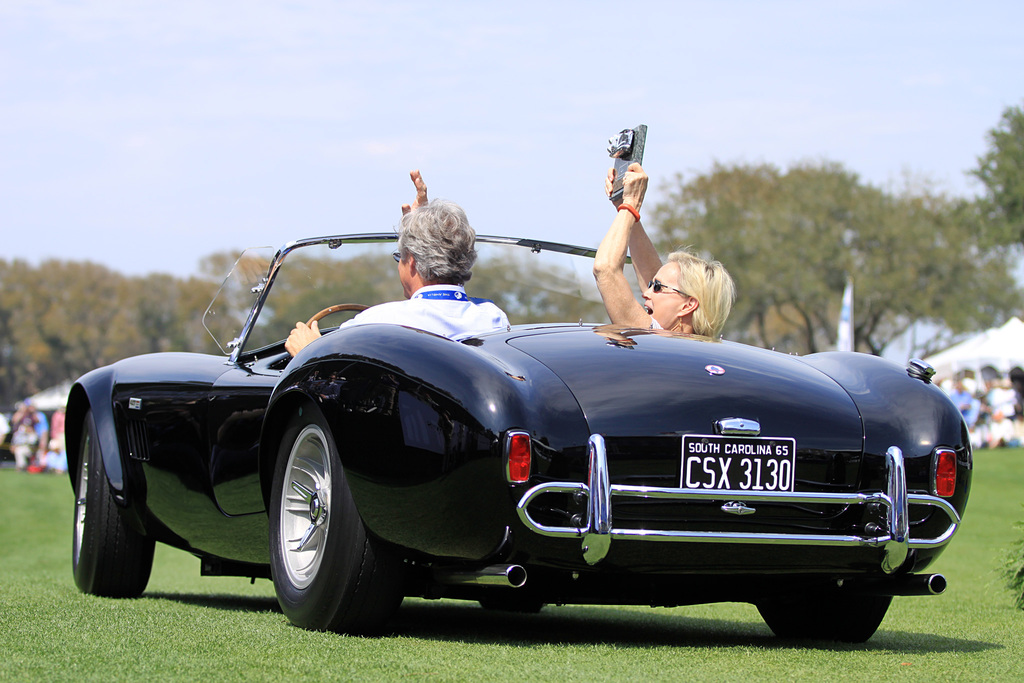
[
  {"x": 53, "y": 398},
  {"x": 1000, "y": 348}
]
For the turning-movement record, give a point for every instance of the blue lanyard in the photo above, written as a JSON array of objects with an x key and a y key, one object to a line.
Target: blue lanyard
[{"x": 448, "y": 295}]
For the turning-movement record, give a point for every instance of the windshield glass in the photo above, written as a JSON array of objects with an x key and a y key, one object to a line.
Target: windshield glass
[
  {"x": 227, "y": 313},
  {"x": 532, "y": 282}
]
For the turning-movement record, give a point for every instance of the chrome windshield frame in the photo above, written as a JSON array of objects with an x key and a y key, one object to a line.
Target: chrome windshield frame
[{"x": 336, "y": 241}]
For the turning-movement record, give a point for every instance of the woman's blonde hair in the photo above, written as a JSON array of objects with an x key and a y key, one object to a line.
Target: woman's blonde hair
[{"x": 709, "y": 282}]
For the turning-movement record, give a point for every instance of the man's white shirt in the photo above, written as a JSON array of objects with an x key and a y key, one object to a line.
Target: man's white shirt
[{"x": 445, "y": 310}]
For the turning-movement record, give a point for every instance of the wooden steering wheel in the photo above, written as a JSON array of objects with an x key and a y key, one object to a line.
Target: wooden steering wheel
[{"x": 334, "y": 309}]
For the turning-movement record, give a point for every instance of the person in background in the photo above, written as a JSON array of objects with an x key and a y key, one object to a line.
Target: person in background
[
  {"x": 964, "y": 400},
  {"x": 42, "y": 430},
  {"x": 1002, "y": 402},
  {"x": 56, "y": 459},
  {"x": 5, "y": 428},
  {"x": 25, "y": 428}
]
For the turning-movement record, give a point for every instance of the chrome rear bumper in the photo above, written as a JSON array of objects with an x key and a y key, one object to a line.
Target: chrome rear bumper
[{"x": 598, "y": 530}]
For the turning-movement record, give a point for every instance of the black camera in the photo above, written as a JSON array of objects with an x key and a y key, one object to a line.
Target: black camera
[{"x": 626, "y": 147}]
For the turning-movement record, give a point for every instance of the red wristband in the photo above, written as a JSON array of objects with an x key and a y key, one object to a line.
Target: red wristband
[{"x": 627, "y": 207}]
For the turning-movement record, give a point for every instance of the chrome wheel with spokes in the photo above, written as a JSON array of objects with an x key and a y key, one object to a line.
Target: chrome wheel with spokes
[
  {"x": 329, "y": 572},
  {"x": 81, "y": 497},
  {"x": 305, "y": 513}
]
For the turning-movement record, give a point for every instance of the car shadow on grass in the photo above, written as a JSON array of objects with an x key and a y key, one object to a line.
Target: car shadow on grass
[
  {"x": 582, "y": 625},
  {"x": 231, "y": 603}
]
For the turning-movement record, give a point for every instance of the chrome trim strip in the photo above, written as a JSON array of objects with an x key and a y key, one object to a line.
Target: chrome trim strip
[
  {"x": 897, "y": 513},
  {"x": 554, "y": 487},
  {"x": 746, "y": 496},
  {"x": 598, "y": 530},
  {"x": 597, "y": 540},
  {"x": 737, "y": 508},
  {"x": 945, "y": 506},
  {"x": 737, "y": 426}
]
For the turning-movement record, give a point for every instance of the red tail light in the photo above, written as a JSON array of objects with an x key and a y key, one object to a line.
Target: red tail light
[
  {"x": 518, "y": 455},
  {"x": 945, "y": 472}
]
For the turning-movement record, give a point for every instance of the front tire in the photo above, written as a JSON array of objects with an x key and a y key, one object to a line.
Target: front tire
[
  {"x": 108, "y": 557},
  {"x": 329, "y": 573},
  {"x": 825, "y": 616}
]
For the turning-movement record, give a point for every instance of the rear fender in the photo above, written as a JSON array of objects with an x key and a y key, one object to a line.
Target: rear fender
[
  {"x": 464, "y": 398},
  {"x": 493, "y": 393},
  {"x": 278, "y": 414},
  {"x": 901, "y": 410}
]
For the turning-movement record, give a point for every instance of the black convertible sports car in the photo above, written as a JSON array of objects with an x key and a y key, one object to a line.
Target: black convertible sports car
[{"x": 550, "y": 463}]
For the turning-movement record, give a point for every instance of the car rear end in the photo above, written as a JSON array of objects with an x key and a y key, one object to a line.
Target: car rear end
[{"x": 709, "y": 459}]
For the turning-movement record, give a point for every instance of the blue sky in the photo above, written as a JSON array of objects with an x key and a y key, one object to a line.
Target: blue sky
[{"x": 145, "y": 135}]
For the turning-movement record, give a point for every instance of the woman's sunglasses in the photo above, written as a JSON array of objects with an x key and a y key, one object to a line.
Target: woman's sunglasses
[{"x": 658, "y": 285}]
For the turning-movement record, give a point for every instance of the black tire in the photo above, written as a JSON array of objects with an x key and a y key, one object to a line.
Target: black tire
[
  {"x": 825, "y": 616},
  {"x": 342, "y": 579},
  {"x": 108, "y": 557}
]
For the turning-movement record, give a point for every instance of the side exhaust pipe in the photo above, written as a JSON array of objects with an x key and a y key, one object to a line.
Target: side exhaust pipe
[
  {"x": 926, "y": 584},
  {"x": 509, "y": 575}
]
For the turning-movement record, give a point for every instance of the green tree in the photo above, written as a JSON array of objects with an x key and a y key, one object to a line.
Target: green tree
[
  {"x": 61, "y": 319},
  {"x": 535, "y": 291},
  {"x": 1001, "y": 171},
  {"x": 791, "y": 239}
]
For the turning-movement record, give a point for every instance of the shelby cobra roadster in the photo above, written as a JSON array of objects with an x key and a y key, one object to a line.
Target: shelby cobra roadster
[{"x": 558, "y": 461}]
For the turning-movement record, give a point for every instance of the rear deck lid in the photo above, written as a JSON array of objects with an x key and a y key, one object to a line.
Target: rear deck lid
[{"x": 650, "y": 389}]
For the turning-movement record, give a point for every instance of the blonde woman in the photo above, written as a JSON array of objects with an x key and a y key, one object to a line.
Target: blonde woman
[{"x": 688, "y": 294}]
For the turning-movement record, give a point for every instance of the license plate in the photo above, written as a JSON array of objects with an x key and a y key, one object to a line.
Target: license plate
[{"x": 738, "y": 463}]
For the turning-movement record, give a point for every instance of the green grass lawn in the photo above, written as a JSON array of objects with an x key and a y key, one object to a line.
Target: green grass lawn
[{"x": 187, "y": 627}]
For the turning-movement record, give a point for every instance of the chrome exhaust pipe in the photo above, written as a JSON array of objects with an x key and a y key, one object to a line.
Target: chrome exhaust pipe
[
  {"x": 509, "y": 575},
  {"x": 931, "y": 584}
]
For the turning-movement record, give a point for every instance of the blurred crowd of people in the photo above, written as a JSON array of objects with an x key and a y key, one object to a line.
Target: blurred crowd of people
[
  {"x": 993, "y": 411},
  {"x": 35, "y": 441}
]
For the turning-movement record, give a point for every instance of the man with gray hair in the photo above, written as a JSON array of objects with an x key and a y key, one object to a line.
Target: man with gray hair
[{"x": 436, "y": 253}]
